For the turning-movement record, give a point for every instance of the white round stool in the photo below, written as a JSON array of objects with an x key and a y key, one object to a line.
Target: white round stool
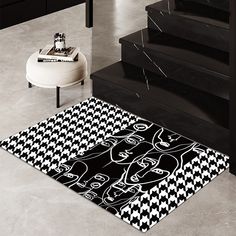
[{"x": 55, "y": 74}]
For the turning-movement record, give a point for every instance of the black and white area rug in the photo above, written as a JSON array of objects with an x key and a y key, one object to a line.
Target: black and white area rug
[{"x": 133, "y": 168}]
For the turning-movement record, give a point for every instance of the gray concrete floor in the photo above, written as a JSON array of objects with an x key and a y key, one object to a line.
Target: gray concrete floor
[{"x": 32, "y": 203}]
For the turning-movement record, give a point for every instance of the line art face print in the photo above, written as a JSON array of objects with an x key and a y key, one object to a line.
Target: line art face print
[{"x": 125, "y": 165}]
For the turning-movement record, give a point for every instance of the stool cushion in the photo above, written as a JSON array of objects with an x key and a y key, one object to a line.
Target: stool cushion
[{"x": 55, "y": 74}]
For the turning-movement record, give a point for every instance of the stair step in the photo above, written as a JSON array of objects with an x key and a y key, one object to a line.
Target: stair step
[
  {"x": 202, "y": 9},
  {"x": 221, "y": 5},
  {"x": 212, "y": 9},
  {"x": 212, "y": 33},
  {"x": 178, "y": 107},
  {"x": 189, "y": 63}
]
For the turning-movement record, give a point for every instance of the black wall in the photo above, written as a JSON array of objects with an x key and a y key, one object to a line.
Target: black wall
[{"x": 16, "y": 11}]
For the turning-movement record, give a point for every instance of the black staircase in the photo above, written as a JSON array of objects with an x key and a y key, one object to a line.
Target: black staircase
[
  {"x": 176, "y": 72},
  {"x": 232, "y": 168}
]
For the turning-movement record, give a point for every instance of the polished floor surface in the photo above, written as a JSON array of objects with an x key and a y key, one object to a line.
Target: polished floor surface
[{"x": 33, "y": 204}]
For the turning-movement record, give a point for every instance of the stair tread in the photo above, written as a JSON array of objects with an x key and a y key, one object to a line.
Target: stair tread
[
  {"x": 202, "y": 30},
  {"x": 165, "y": 7},
  {"x": 136, "y": 79},
  {"x": 175, "y": 95},
  {"x": 126, "y": 76},
  {"x": 184, "y": 51}
]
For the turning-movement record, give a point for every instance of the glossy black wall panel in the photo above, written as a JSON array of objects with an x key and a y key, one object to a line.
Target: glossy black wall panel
[
  {"x": 16, "y": 11},
  {"x": 21, "y": 11},
  {"x": 56, "y": 5},
  {"x": 8, "y": 2}
]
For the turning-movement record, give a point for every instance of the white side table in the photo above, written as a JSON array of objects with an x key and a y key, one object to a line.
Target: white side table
[{"x": 55, "y": 74}]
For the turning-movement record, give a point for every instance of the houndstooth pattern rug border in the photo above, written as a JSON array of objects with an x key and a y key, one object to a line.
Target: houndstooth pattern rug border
[{"x": 62, "y": 138}]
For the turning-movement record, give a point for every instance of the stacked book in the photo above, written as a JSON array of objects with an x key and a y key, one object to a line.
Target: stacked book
[{"x": 49, "y": 54}]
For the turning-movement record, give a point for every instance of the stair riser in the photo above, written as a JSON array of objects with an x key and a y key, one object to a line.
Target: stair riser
[
  {"x": 198, "y": 32},
  {"x": 181, "y": 50},
  {"x": 217, "y": 4},
  {"x": 189, "y": 74},
  {"x": 205, "y": 10},
  {"x": 144, "y": 107},
  {"x": 182, "y": 98}
]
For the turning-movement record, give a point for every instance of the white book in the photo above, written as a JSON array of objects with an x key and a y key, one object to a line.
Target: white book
[{"x": 49, "y": 53}]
